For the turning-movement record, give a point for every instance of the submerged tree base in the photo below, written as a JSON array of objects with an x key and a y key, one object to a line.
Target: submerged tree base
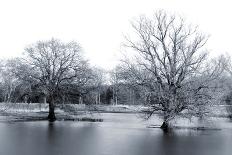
[
  {"x": 171, "y": 128},
  {"x": 164, "y": 126},
  {"x": 51, "y": 117}
]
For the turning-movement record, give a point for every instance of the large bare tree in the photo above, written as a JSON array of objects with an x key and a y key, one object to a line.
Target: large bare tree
[
  {"x": 53, "y": 66},
  {"x": 170, "y": 64}
]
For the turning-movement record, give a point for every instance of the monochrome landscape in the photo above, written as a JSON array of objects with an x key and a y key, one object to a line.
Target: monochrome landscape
[{"x": 164, "y": 90}]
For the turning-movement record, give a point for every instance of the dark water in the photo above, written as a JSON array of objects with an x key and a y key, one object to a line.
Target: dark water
[{"x": 120, "y": 134}]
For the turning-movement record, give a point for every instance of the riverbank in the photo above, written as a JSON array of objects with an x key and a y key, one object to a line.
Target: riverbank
[
  {"x": 12, "y": 112},
  {"x": 214, "y": 111},
  {"x": 74, "y": 112},
  {"x": 16, "y": 112}
]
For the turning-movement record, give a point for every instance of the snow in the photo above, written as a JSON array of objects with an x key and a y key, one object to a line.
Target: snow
[{"x": 217, "y": 117}]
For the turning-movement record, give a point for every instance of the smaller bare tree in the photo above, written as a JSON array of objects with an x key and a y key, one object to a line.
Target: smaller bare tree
[{"x": 53, "y": 65}]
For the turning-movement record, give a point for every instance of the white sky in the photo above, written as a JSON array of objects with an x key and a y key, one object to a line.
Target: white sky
[{"x": 99, "y": 25}]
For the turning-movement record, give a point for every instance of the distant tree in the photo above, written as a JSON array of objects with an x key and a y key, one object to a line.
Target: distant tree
[
  {"x": 115, "y": 83},
  {"x": 130, "y": 79},
  {"x": 8, "y": 83},
  {"x": 23, "y": 89},
  {"x": 89, "y": 93},
  {"x": 171, "y": 66},
  {"x": 53, "y": 66},
  {"x": 109, "y": 95},
  {"x": 97, "y": 83},
  {"x": 122, "y": 88},
  {"x": 228, "y": 86}
]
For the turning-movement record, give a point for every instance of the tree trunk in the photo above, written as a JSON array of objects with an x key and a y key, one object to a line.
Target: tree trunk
[
  {"x": 96, "y": 99},
  {"x": 116, "y": 100},
  {"x": 80, "y": 100},
  {"x": 99, "y": 98},
  {"x": 51, "y": 115},
  {"x": 45, "y": 99},
  {"x": 165, "y": 126}
]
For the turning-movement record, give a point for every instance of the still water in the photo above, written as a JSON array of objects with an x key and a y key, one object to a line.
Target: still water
[{"x": 119, "y": 134}]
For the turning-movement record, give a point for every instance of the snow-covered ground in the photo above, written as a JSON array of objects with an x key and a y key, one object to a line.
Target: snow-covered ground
[
  {"x": 216, "y": 111},
  {"x": 218, "y": 114},
  {"x": 23, "y": 107}
]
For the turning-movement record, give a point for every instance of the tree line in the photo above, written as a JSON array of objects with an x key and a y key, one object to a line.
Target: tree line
[{"x": 166, "y": 67}]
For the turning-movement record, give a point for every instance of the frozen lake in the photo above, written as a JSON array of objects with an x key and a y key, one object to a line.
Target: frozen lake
[{"x": 119, "y": 134}]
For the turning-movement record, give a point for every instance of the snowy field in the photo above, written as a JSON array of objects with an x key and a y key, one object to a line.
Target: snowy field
[
  {"x": 38, "y": 107},
  {"x": 217, "y": 117},
  {"x": 218, "y": 111}
]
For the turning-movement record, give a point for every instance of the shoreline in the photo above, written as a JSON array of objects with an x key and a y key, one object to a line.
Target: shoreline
[{"x": 23, "y": 112}]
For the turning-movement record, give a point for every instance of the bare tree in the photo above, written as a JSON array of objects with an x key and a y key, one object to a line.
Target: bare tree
[
  {"x": 98, "y": 82},
  {"x": 53, "y": 65},
  {"x": 228, "y": 85},
  {"x": 115, "y": 85},
  {"x": 170, "y": 64},
  {"x": 8, "y": 82}
]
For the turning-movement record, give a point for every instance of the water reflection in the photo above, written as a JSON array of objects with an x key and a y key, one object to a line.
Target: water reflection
[{"x": 122, "y": 137}]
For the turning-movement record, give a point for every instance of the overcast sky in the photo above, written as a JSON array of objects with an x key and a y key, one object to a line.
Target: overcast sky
[{"x": 99, "y": 25}]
